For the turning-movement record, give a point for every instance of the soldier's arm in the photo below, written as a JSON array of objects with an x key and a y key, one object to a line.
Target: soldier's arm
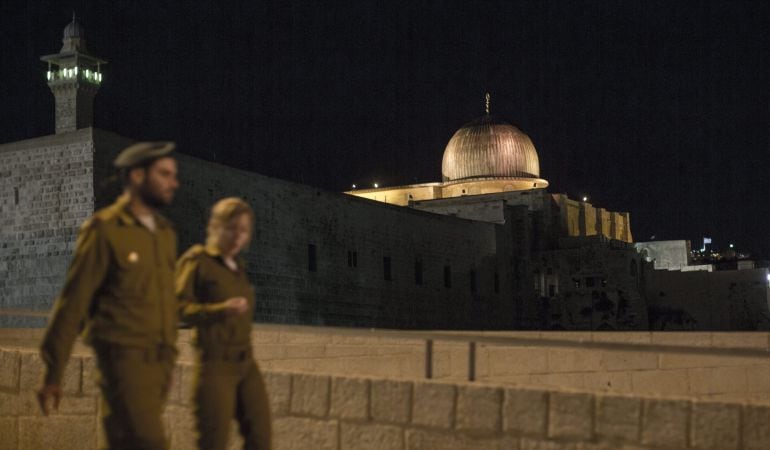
[
  {"x": 190, "y": 309},
  {"x": 84, "y": 277}
]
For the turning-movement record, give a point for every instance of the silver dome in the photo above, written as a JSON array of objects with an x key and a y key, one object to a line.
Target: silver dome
[{"x": 489, "y": 148}]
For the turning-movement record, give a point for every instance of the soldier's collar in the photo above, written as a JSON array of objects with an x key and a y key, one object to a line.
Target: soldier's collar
[
  {"x": 126, "y": 217},
  {"x": 212, "y": 250}
]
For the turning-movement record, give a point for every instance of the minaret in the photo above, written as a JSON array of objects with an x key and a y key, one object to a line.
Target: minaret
[{"x": 74, "y": 77}]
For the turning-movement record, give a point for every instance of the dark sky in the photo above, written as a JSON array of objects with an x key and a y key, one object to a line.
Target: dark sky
[{"x": 659, "y": 108}]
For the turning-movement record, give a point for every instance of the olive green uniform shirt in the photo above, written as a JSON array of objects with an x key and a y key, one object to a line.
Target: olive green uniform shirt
[
  {"x": 119, "y": 287},
  {"x": 203, "y": 281}
]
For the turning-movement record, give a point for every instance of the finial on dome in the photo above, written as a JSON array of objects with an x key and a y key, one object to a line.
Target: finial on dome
[
  {"x": 486, "y": 106},
  {"x": 73, "y": 15}
]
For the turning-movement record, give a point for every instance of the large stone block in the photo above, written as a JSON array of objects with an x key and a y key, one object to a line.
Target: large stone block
[
  {"x": 57, "y": 432},
  {"x": 90, "y": 374},
  {"x": 608, "y": 381},
  {"x": 755, "y": 431},
  {"x": 661, "y": 382},
  {"x": 9, "y": 433},
  {"x": 32, "y": 368},
  {"x": 186, "y": 383},
  {"x": 679, "y": 360},
  {"x": 664, "y": 423},
  {"x": 310, "y": 395},
  {"x": 478, "y": 409},
  {"x": 629, "y": 360},
  {"x": 278, "y": 387},
  {"x": 719, "y": 380},
  {"x": 573, "y": 360},
  {"x": 355, "y": 436},
  {"x": 752, "y": 339},
  {"x": 617, "y": 418},
  {"x": 181, "y": 428},
  {"x": 536, "y": 444},
  {"x": 433, "y": 404},
  {"x": 517, "y": 360},
  {"x": 300, "y": 433},
  {"x": 715, "y": 426},
  {"x": 559, "y": 380},
  {"x": 349, "y": 398},
  {"x": 758, "y": 379},
  {"x": 525, "y": 412},
  {"x": 570, "y": 416},
  {"x": 14, "y": 404},
  {"x": 391, "y": 401},
  {"x": 10, "y": 364},
  {"x": 435, "y": 440}
]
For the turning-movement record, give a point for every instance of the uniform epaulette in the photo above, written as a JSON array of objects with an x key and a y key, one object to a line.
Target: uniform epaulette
[
  {"x": 91, "y": 222},
  {"x": 104, "y": 214},
  {"x": 192, "y": 252}
]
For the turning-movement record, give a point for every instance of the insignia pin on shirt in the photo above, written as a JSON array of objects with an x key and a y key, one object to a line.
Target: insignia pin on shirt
[{"x": 133, "y": 257}]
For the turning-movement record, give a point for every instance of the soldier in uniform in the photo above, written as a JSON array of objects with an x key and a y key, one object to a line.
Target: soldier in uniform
[
  {"x": 119, "y": 291},
  {"x": 217, "y": 298}
]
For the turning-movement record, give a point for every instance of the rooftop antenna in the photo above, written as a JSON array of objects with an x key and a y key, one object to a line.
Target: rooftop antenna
[{"x": 486, "y": 106}]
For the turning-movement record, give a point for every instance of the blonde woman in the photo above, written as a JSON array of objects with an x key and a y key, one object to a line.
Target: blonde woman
[{"x": 218, "y": 300}]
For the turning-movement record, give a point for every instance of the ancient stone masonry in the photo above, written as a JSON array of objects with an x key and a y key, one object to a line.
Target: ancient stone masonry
[
  {"x": 589, "y": 285},
  {"x": 343, "y": 411},
  {"x": 46, "y": 192},
  {"x": 51, "y": 185},
  {"x": 295, "y": 221}
]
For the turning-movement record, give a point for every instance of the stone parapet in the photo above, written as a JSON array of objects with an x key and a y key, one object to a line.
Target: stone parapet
[{"x": 321, "y": 411}]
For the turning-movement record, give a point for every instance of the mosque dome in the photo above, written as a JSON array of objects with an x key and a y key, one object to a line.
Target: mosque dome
[
  {"x": 489, "y": 148},
  {"x": 74, "y": 37},
  {"x": 74, "y": 30}
]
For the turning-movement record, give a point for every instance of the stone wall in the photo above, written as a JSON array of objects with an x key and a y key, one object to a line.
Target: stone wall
[
  {"x": 402, "y": 356},
  {"x": 594, "y": 285},
  {"x": 315, "y": 411},
  {"x": 45, "y": 194},
  {"x": 625, "y": 371},
  {"x": 365, "y": 255},
  {"x": 702, "y": 300}
]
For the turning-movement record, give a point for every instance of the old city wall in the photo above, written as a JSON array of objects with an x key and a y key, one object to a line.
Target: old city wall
[
  {"x": 325, "y": 258},
  {"x": 341, "y": 410},
  {"x": 701, "y": 300},
  {"x": 46, "y": 192},
  {"x": 50, "y": 185}
]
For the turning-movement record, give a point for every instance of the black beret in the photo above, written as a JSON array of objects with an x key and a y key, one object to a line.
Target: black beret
[{"x": 142, "y": 152}]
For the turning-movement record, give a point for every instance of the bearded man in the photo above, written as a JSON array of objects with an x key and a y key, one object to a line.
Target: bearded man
[{"x": 119, "y": 293}]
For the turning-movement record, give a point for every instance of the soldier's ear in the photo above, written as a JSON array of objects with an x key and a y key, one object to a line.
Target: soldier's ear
[{"x": 136, "y": 175}]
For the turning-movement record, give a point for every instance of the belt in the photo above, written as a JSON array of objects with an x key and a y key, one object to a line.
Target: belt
[
  {"x": 230, "y": 353},
  {"x": 159, "y": 352}
]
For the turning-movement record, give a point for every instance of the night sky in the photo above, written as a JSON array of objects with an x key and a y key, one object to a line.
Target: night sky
[{"x": 659, "y": 108}]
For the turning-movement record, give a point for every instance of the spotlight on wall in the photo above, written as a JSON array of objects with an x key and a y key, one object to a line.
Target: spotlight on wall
[
  {"x": 376, "y": 185},
  {"x": 354, "y": 186},
  {"x": 585, "y": 199}
]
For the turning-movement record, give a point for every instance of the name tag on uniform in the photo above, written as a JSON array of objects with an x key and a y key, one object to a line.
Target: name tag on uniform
[{"x": 133, "y": 257}]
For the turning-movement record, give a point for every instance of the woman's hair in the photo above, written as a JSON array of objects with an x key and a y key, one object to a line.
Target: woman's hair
[{"x": 223, "y": 212}]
